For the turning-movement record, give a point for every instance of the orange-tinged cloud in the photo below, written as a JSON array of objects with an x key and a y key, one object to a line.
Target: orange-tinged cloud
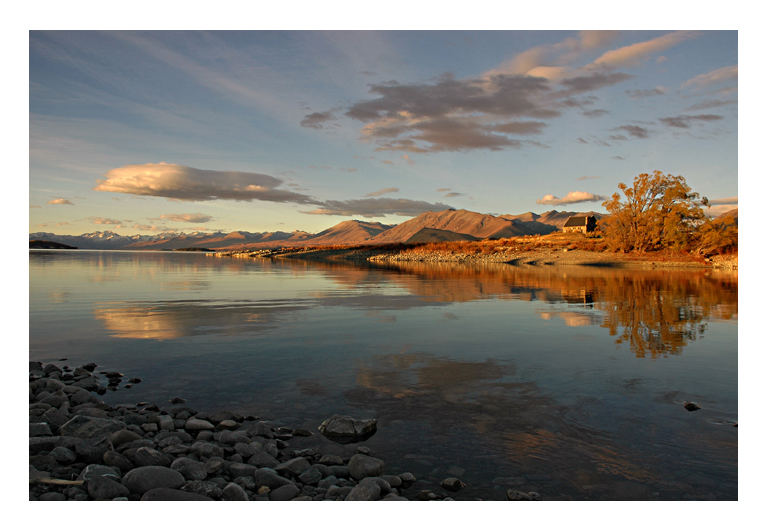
[
  {"x": 638, "y": 52},
  {"x": 570, "y": 197},
  {"x": 60, "y": 201}
]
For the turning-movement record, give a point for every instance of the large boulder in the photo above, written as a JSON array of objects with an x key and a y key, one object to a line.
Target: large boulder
[
  {"x": 344, "y": 429},
  {"x": 145, "y": 478},
  {"x": 89, "y": 427},
  {"x": 189, "y": 468},
  {"x": 361, "y": 465},
  {"x": 105, "y": 488}
]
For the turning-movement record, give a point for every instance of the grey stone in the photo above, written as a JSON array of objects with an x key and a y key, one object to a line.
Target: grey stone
[
  {"x": 311, "y": 476},
  {"x": 90, "y": 451},
  {"x": 263, "y": 459},
  {"x": 336, "y": 491},
  {"x": 52, "y": 496},
  {"x": 165, "y": 422},
  {"x": 42, "y": 444},
  {"x": 294, "y": 467},
  {"x": 118, "y": 460},
  {"x": 284, "y": 493},
  {"x": 189, "y": 468},
  {"x": 407, "y": 478},
  {"x": 194, "y": 424},
  {"x": 39, "y": 429},
  {"x": 233, "y": 492},
  {"x": 87, "y": 427},
  {"x": 142, "y": 479},
  {"x": 206, "y": 449},
  {"x": 170, "y": 494},
  {"x": 204, "y": 435},
  {"x": 205, "y": 488},
  {"x": 145, "y": 456},
  {"x": 394, "y": 481},
  {"x": 328, "y": 482},
  {"x": 63, "y": 455},
  {"x": 452, "y": 484},
  {"x": 345, "y": 429},
  {"x": 241, "y": 469},
  {"x": 361, "y": 466},
  {"x": 393, "y": 497},
  {"x": 266, "y": 477},
  {"x": 105, "y": 488},
  {"x": 340, "y": 471},
  {"x": 94, "y": 471},
  {"x": 367, "y": 490},
  {"x": 233, "y": 437}
]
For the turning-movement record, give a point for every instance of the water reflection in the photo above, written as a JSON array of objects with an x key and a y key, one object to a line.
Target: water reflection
[{"x": 175, "y": 319}]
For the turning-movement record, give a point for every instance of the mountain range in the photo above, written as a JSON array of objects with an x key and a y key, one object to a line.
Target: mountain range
[{"x": 445, "y": 225}]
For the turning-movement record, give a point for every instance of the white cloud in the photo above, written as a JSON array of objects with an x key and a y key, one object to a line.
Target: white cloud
[
  {"x": 715, "y": 76},
  {"x": 191, "y": 184},
  {"x": 570, "y": 197},
  {"x": 640, "y": 51},
  {"x": 187, "y": 218}
]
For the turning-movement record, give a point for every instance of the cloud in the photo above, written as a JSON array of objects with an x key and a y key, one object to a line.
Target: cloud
[
  {"x": 594, "y": 113},
  {"x": 632, "y": 130},
  {"x": 593, "y": 81},
  {"x": 317, "y": 120},
  {"x": 638, "y": 52},
  {"x": 587, "y": 177},
  {"x": 383, "y": 191},
  {"x": 175, "y": 181},
  {"x": 106, "y": 221},
  {"x": 645, "y": 93},
  {"x": 715, "y": 76},
  {"x": 377, "y": 207},
  {"x": 725, "y": 201},
  {"x": 151, "y": 228},
  {"x": 60, "y": 201},
  {"x": 454, "y": 194},
  {"x": 35, "y": 206},
  {"x": 709, "y": 104},
  {"x": 684, "y": 120},
  {"x": 187, "y": 218},
  {"x": 570, "y": 197}
]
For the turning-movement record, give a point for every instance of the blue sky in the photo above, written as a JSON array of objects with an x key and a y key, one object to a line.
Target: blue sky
[{"x": 139, "y": 132}]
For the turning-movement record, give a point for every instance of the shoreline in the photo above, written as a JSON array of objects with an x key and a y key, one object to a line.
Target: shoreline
[{"x": 81, "y": 449}]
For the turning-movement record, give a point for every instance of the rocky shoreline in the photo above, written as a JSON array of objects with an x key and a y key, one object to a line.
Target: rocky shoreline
[{"x": 81, "y": 448}]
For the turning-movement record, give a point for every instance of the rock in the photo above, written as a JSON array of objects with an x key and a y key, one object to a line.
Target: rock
[
  {"x": 393, "y": 497},
  {"x": 88, "y": 427},
  {"x": 194, "y": 424},
  {"x": 344, "y": 429},
  {"x": 94, "y": 471},
  {"x": 294, "y": 467},
  {"x": 205, "y": 488},
  {"x": 518, "y": 495},
  {"x": 269, "y": 478},
  {"x": 407, "y": 478},
  {"x": 331, "y": 460},
  {"x": 301, "y": 432},
  {"x": 363, "y": 450},
  {"x": 89, "y": 451},
  {"x": 452, "y": 484},
  {"x": 169, "y": 494},
  {"x": 149, "y": 427},
  {"x": 367, "y": 490},
  {"x": 264, "y": 490},
  {"x": 42, "y": 444},
  {"x": 145, "y": 478},
  {"x": 227, "y": 424},
  {"x": 206, "y": 449},
  {"x": 165, "y": 422},
  {"x": 394, "y": 481},
  {"x": 63, "y": 455},
  {"x": 116, "y": 459},
  {"x": 105, "y": 488},
  {"x": 284, "y": 493},
  {"x": 36, "y": 475},
  {"x": 691, "y": 406},
  {"x": 328, "y": 482},
  {"x": 233, "y": 492},
  {"x": 177, "y": 400},
  {"x": 234, "y": 437},
  {"x": 263, "y": 459},
  {"x": 361, "y": 466},
  {"x": 241, "y": 469},
  {"x": 134, "y": 380},
  {"x": 311, "y": 476},
  {"x": 189, "y": 468},
  {"x": 52, "y": 496},
  {"x": 145, "y": 456}
]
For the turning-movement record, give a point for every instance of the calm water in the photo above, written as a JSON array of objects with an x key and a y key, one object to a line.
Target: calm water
[{"x": 568, "y": 381}]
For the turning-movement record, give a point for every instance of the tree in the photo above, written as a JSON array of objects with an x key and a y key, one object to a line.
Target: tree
[{"x": 657, "y": 212}]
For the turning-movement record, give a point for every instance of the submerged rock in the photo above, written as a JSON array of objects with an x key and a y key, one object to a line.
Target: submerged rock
[
  {"x": 691, "y": 406},
  {"x": 344, "y": 429}
]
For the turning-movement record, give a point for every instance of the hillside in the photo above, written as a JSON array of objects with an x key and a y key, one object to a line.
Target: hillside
[
  {"x": 44, "y": 244},
  {"x": 427, "y": 235},
  {"x": 446, "y": 225}
]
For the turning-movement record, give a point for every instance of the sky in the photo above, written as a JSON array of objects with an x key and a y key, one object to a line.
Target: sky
[{"x": 142, "y": 132}]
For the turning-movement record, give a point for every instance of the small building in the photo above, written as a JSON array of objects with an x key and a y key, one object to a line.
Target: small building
[{"x": 583, "y": 224}]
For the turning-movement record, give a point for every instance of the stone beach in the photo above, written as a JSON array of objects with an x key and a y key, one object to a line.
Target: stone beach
[{"x": 81, "y": 448}]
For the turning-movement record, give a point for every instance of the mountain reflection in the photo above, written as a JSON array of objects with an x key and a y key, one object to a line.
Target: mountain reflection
[{"x": 171, "y": 320}]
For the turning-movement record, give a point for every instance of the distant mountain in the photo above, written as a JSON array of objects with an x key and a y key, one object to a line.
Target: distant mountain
[
  {"x": 446, "y": 225},
  {"x": 730, "y": 214},
  {"x": 427, "y": 235},
  {"x": 45, "y": 244},
  {"x": 352, "y": 231}
]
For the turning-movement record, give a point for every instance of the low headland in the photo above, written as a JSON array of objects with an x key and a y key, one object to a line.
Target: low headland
[
  {"x": 548, "y": 250},
  {"x": 81, "y": 448}
]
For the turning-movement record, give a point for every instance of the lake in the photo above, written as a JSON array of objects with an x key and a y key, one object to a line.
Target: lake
[{"x": 569, "y": 381}]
